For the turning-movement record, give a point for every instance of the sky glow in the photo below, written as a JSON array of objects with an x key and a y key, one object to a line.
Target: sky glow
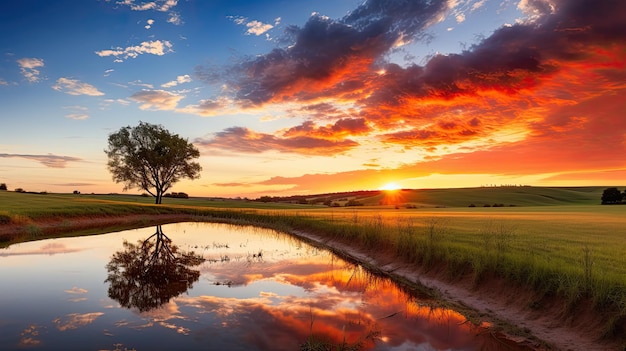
[{"x": 305, "y": 97}]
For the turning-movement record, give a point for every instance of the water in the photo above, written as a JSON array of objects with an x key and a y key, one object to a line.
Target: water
[{"x": 245, "y": 289}]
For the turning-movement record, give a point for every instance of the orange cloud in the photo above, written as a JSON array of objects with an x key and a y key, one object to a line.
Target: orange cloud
[
  {"x": 545, "y": 95},
  {"x": 245, "y": 140},
  {"x": 49, "y": 160}
]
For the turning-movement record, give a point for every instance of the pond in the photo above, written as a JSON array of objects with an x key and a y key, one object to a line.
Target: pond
[{"x": 204, "y": 286}]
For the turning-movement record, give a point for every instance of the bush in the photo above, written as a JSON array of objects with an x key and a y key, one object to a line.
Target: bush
[
  {"x": 76, "y": 192},
  {"x": 265, "y": 199},
  {"x": 180, "y": 195},
  {"x": 4, "y": 219},
  {"x": 353, "y": 203},
  {"x": 20, "y": 190}
]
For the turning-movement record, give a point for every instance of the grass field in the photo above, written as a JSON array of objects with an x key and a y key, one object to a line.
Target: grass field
[
  {"x": 464, "y": 197},
  {"x": 574, "y": 249}
]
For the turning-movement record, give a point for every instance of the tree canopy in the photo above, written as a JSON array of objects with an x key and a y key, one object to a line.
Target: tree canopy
[
  {"x": 149, "y": 157},
  {"x": 611, "y": 196}
]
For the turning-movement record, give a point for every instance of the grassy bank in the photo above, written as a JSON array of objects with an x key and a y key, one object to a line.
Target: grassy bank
[{"x": 573, "y": 253}]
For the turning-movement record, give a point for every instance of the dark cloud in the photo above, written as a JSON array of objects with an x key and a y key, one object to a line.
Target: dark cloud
[
  {"x": 241, "y": 139},
  {"x": 340, "y": 129},
  {"x": 518, "y": 56},
  {"x": 49, "y": 160},
  {"x": 326, "y": 51},
  {"x": 399, "y": 17},
  {"x": 519, "y": 76}
]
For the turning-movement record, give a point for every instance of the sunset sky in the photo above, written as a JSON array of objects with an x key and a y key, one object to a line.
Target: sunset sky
[{"x": 289, "y": 97}]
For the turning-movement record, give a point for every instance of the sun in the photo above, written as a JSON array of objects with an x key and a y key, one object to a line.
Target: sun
[{"x": 390, "y": 186}]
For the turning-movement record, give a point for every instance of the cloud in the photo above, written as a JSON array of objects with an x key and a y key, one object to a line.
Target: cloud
[
  {"x": 239, "y": 139},
  {"x": 254, "y": 27},
  {"x": 139, "y": 83},
  {"x": 48, "y": 160},
  {"x": 257, "y": 28},
  {"x": 3, "y": 82},
  {"x": 76, "y": 87},
  {"x": 108, "y": 72},
  {"x": 546, "y": 92},
  {"x": 154, "y": 47},
  {"x": 179, "y": 80},
  {"x": 159, "y": 6},
  {"x": 175, "y": 19},
  {"x": 29, "y": 67},
  {"x": 156, "y": 99},
  {"x": 108, "y": 102},
  {"x": 478, "y": 4},
  {"x": 233, "y": 184},
  {"x": 326, "y": 53},
  {"x": 77, "y": 116},
  {"x": 149, "y": 24},
  {"x": 541, "y": 97}
]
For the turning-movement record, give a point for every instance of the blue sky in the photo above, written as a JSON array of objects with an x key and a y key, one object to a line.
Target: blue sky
[{"x": 286, "y": 97}]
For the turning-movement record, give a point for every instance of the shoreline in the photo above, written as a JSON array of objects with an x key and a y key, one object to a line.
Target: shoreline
[{"x": 511, "y": 312}]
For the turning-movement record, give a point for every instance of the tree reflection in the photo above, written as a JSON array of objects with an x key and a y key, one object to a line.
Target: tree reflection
[{"x": 148, "y": 274}]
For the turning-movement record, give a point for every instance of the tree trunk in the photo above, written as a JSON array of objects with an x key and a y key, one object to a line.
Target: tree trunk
[{"x": 159, "y": 197}]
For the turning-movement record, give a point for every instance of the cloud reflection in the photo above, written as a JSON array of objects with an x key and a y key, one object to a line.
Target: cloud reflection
[
  {"x": 47, "y": 249},
  {"x": 338, "y": 303},
  {"x": 76, "y": 320},
  {"x": 29, "y": 337}
]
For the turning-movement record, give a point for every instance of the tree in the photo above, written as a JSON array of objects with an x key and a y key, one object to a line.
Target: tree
[
  {"x": 148, "y": 157},
  {"x": 611, "y": 196},
  {"x": 3, "y": 186}
]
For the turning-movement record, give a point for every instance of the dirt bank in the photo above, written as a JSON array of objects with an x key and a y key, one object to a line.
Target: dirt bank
[
  {"x": 41, "y": 229},
  {"x": 540, "y": 322},
  {"x": 517, "y": 312}
]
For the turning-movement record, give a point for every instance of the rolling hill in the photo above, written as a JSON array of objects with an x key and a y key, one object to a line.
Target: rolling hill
[{"x": 459, "y": 197}]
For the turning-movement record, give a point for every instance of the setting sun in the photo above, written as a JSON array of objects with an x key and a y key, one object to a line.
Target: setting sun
[{"x": 390, "y": 186}]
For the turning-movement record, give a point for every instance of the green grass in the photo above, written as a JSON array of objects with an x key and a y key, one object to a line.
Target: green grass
[
  {"x": 573, "y": 251},
  {"x": 515, "y": 196}
]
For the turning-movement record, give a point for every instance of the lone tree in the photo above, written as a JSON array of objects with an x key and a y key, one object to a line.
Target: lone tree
[
  {"x": 611, "y": 196},
  {"x": 148, "y": 157}
]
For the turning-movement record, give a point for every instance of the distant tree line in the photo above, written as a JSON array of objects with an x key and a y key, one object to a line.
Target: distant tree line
[
  {"x": 611, "y": 196},
  {"x": 180, "y": 195}
]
